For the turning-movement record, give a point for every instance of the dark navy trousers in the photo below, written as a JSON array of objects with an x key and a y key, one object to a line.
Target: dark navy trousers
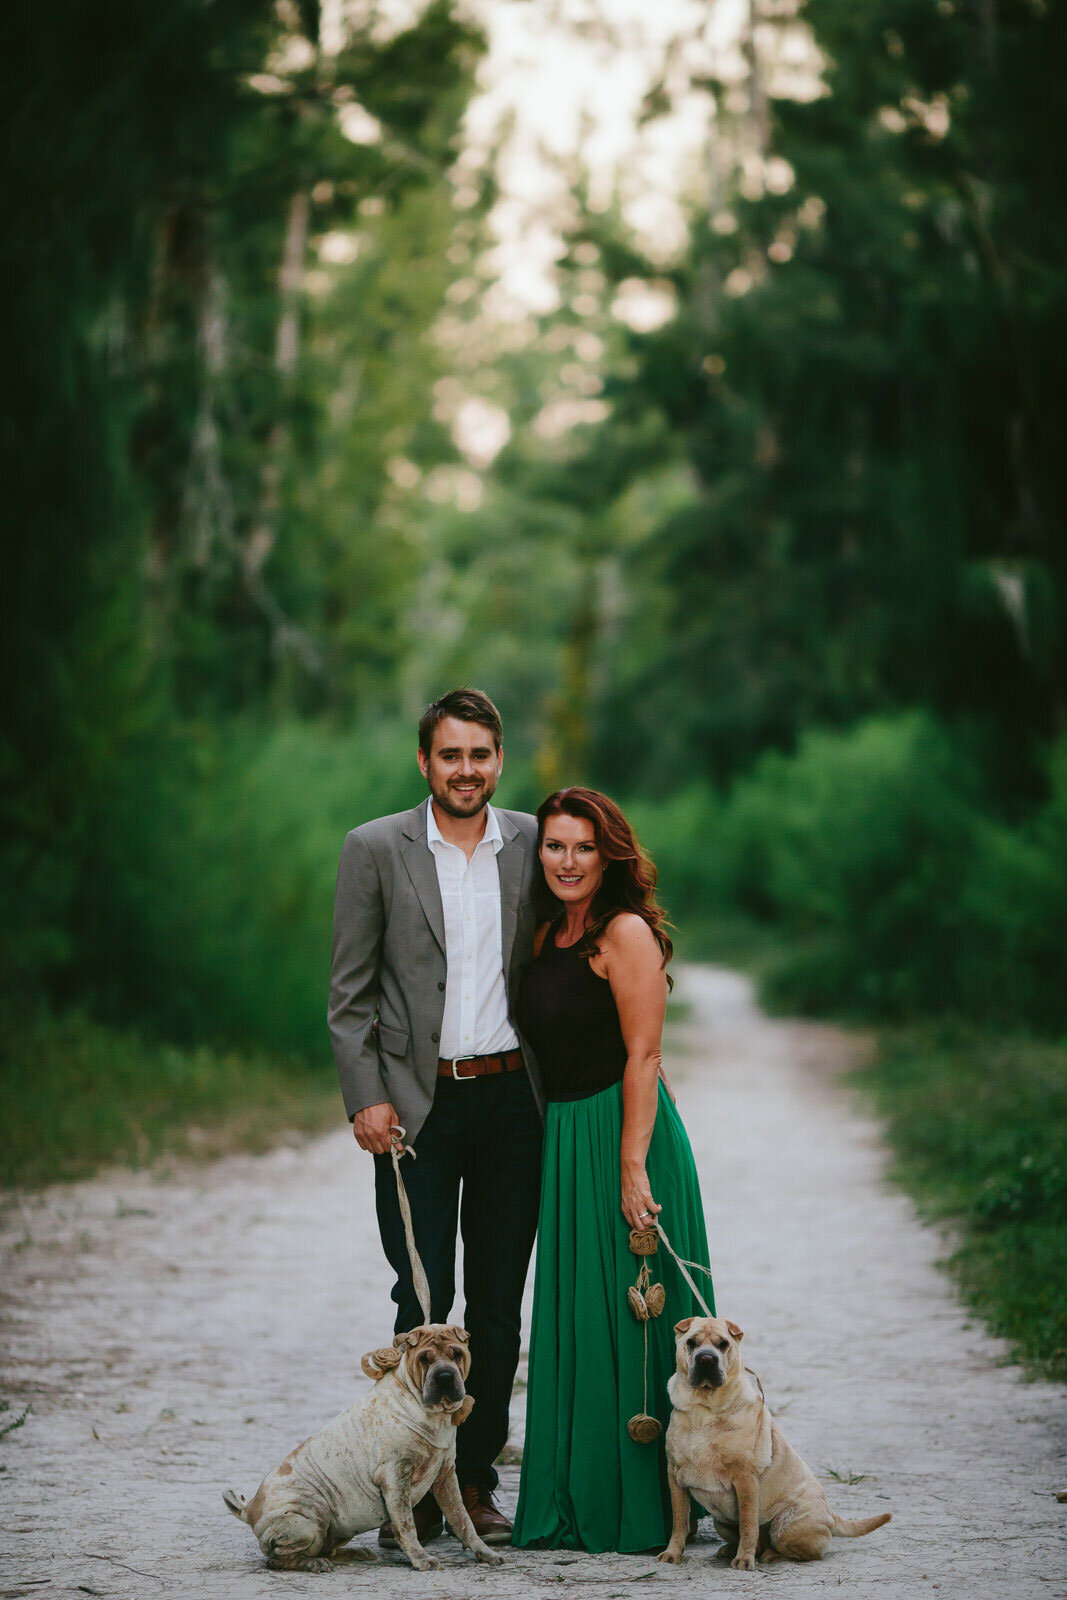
[{"x": 478, "y": 1166}]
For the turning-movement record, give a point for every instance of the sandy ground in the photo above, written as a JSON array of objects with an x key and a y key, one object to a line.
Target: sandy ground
[{"x": 178, "y": 1334}]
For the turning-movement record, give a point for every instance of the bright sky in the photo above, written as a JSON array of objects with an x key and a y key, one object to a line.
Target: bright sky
[
  {"x": 560, "y": 97},
  {"x": 564, "y": 75},
  {"x": 565, "y": 81}
]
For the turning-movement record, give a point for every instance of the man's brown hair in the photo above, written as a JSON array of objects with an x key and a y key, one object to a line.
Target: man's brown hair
[{"x": 468, "y": 705}]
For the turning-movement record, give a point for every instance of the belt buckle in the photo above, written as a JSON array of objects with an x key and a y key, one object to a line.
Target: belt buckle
[{"x": 467, "y": 1077}]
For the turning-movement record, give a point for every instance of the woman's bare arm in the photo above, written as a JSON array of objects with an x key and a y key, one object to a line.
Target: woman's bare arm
[{"x": 632, "y": 962}]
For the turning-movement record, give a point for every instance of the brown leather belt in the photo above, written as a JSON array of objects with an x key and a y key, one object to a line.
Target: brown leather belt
[{"x": 479, "y": 1066}]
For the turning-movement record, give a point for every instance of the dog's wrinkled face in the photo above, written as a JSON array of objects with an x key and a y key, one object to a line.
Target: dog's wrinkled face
[
  {"x": 707, "y": 1350},
  {"x": 438, "y": 1359}
]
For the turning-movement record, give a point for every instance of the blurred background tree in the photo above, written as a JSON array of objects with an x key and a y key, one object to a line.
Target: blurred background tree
[
  {"x": 860, "y": 375},
  {"x": 759, "y": 527}
]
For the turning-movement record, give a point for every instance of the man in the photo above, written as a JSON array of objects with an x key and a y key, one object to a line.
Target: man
[{"x": 433, "y": 924}]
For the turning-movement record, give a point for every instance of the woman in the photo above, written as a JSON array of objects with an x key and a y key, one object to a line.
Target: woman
[{"x": 616, "y": 1155}]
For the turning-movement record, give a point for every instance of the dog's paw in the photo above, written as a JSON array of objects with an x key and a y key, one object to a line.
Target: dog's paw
[
  {"x": 743, "y": 1563},
  {"x": 316, "y": 1564},
  {"x": 492, "y": 1558},
  {"x": 675, "y": 1557},
  {"x": 425, "y": 1563}
]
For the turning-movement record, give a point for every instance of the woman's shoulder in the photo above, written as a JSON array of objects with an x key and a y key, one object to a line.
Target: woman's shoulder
[
  {"x": 629, "y": 934},
  {"x": 539, "y": 937}
]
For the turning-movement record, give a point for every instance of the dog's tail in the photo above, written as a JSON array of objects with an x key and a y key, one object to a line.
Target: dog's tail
[
  {"x": 237, "y": 1503},
  {"x": 845, "y": 1528}
]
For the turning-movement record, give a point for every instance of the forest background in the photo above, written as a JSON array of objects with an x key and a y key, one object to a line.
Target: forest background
[{"x": 756, "y": 522}]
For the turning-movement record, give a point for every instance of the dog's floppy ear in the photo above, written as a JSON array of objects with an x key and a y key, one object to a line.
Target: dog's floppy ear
[
  {"x": 686, "y": 1322},
  {"x": 459, "y": 1334},
  {"x": 405, "y": 1341},
  {"x": 463, "y": 1410},
  {"x": 734, "y": 1331},
  {"x": 376, "y": 1363}
]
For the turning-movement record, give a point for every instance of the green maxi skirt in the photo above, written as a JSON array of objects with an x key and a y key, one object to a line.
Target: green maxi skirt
[{"x": 586, "y": 1485}]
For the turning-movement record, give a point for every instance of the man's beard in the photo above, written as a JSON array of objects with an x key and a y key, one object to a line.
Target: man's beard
[{"x": 444, "y": 799}]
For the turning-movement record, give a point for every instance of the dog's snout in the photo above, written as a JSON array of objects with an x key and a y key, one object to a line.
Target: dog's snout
[
  {"x": 706, "y": 1367},
  {"x": 443, "y": 1383}
]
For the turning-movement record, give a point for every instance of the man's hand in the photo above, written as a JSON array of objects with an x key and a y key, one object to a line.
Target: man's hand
[{"x": 373, "y": 1128}]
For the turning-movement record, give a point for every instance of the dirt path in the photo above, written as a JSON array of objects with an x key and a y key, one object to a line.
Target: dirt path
[{"x": 178, "y": 1335}]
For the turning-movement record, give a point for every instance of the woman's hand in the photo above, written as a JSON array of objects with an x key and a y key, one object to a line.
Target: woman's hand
[{"x": 638, "y": 1206}]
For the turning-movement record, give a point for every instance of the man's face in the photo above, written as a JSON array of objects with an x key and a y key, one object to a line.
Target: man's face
[{"x": 463, "y": 767}]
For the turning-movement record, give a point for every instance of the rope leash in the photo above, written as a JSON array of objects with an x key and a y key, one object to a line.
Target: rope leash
[
  {"x": 700, "y": 1298},
  {"x": 422, "y": 1287},
  {"x": 418, "y": 1271},
  {"x": 683, "y": 1265}
]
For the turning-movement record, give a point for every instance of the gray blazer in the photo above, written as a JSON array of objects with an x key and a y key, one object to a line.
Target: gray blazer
[{"x": 387, "y": 984}]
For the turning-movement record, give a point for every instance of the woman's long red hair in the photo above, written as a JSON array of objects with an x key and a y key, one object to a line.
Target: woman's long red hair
[{"x": 629, "y": 882}]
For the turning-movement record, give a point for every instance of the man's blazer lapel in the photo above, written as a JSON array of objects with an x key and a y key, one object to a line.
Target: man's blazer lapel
[
  {"x": 510, "y": 862},
  {"x": 422, "y": 870}
]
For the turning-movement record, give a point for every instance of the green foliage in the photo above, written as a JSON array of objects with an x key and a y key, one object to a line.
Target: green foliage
[
  {"x": 1014, "y": 910},
  {"x": 207, "y": 892},
  {"x": 78, "y": 1095},
  {"x": 12, "y": 1424},
  {"x": 197, "y": 459},
  {"x": 875, "y": 859},
  {"x": 865, "y": 376},
  {"x": 798, "y": 599},
  {"x": 683, "y": 835},
  {"x": 859, "y": 846},
  {"x": 208, "y": 911},
  {"x": 980, "y": 1129}
]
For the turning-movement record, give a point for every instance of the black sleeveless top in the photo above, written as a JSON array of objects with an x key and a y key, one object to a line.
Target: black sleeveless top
[{"x": 570, "y": 1017}]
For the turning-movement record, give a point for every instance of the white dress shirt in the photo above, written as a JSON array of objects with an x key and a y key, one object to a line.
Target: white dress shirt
[{"x": 476, "y": 1001}]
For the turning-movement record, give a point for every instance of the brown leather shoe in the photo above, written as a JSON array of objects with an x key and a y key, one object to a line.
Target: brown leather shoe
[
  {"x": 429, "y": 1524},
  {"x": 490, "y": 1523}
]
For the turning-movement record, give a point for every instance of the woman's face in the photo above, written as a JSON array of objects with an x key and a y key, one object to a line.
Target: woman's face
[{"x": 574, "y": 867}]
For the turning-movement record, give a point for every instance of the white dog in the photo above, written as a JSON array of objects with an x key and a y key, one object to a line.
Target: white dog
[{"x": 376, "y": 1460}]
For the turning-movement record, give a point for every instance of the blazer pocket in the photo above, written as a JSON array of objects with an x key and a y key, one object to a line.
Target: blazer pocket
[{"x": 394, "y": 1041}]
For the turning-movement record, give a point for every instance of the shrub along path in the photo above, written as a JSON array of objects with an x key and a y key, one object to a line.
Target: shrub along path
[{"x": 176, "y": 1335}]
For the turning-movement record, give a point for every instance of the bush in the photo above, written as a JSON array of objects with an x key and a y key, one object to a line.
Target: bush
[
  {"x": 859, "y": 846},
  {"x": 205, "y": 899},
  {"x": 873, "y": 859},
  {"x": 206, "y": 910},
  {"x": 680, "y": 834},
  {"x": 1014, "y": 907}
]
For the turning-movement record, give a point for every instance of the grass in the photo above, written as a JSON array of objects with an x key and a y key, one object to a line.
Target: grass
[
  {"x": 846, "y": 1475},
  {"x": 11, "y": 1424},
  {"x": 79, "y": 1096},
  {"x": 978, "y": 1124}
]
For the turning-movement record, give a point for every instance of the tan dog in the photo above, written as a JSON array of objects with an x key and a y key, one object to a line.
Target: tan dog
[
  {"x": 376, "y": 1460},
  {"x": 726, "y": 1450}
]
